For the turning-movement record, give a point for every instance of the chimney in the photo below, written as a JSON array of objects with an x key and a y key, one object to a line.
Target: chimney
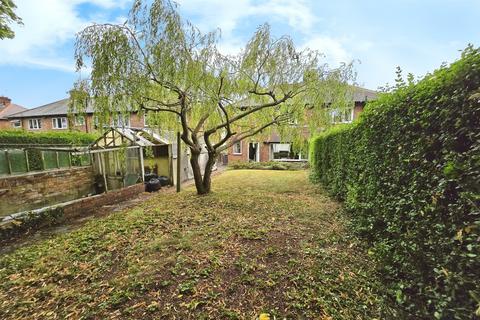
[{"x": 4, "y": 101}]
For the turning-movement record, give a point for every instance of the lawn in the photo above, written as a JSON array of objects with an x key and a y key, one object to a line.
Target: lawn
[{"x": 262, "y": 242}]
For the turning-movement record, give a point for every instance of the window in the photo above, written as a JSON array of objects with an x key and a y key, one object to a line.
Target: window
[
  {"x": 341, "y": 116},
  {"x": 145, "y": 120},
  {"x": 96, "y": 122},
  {"x": 59, "y": 123},
  {"x": 79, "y": 120},
  {"x": 16, "y": 123},
  {"x": 237, "y": 147},
  {"x": 122, "y": 121},
  {"x": 34, "y": 124},
  {"x": 281, "y": 150}
]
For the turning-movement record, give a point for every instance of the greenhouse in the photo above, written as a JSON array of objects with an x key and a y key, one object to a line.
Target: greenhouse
[{"x": 121, "y": 156}]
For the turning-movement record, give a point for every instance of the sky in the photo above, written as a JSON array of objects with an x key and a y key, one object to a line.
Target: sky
[{"x": 37, "y": 66}]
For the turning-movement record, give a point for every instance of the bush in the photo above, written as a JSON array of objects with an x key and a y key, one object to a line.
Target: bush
[
  {"x": 270, "y": 165},
  {"x": 10, "y": 138},
  {"x": 409, "y": 173}
]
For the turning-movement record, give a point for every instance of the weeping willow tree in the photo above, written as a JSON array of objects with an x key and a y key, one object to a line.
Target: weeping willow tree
[
  {"x": 158, "y": 64},
  {"x": 8, "y": 16}
]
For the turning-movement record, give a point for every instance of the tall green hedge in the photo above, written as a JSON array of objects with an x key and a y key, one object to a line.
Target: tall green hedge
[{"x": 409, "y": 173}]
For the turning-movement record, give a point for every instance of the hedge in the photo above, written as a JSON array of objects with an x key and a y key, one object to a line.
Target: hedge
[
  {"x": 270, "y": 165},
  {"x": 10, "y": 138},
  {"x": 408, "y": 171}
]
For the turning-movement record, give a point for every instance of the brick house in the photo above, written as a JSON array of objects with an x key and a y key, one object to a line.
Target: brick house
[
  {"x": 54, "y": 116},
  {"x": 277, "y": 149},
  {"x": 8, "y": 108}
]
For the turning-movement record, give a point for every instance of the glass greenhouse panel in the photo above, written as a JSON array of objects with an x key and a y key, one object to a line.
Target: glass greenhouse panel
[{"x": 18, "y": 162}]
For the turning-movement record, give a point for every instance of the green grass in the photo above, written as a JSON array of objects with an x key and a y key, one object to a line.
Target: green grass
[{"x": 262, "y": 242}]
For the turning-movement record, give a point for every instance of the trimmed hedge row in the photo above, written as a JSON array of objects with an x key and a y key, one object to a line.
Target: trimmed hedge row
[
  {"x": 52, "y": 138},
  {"x": 270, "y": 165},
  {"x": 10, "y": 138},
  {"x": 409, "y": 173}
]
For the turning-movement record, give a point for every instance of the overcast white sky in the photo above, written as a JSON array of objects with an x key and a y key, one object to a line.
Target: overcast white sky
[{"x": 36, "y": 67}]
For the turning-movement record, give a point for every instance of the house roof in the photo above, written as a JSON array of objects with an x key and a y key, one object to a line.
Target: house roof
[
  {"x": 57, "y": 108},
  {"x": 10, "y": 109},
  {"x": 362, "y": 94}
]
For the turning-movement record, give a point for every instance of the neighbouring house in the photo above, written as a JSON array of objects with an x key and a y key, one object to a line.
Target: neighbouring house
[
  {"x": 8, "y": 108},
  {"x": 275, "y": 149},
  {"x": 54, "y": 116}
]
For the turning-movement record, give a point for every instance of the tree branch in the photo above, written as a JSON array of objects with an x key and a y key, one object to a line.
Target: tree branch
[
  {"x": 251, "y": 132},
  {"x": 251, "y": 110},
  {"x": 185, "y": 128},
  {"x": 144, "y": 107}
]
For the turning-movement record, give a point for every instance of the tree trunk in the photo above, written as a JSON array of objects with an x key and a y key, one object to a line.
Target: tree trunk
[
  {"x": 202, "y": 182},
  {"x": 207, "y": 175},
  {"x": 197, "y": 172}
]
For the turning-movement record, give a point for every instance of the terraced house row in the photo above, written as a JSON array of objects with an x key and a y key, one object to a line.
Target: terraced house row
[
  {"x": 276, "y": 149},
  {"x": 55, "y": 116}
]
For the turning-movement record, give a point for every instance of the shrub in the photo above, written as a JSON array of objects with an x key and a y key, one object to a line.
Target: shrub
[
  {"x": 409, "y": 173},
  {"x": 8, "y": 137},
  {"x": 11, "y": 138},
  {"x": 270, "y": 165}
]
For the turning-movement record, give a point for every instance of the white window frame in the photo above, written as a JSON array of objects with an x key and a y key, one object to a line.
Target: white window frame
[
  {"x": 16, "y": 124},
  {"x": 119, "y": 119},
  {"x": 145, "y": 123},
  {"x": 79, "y": 123},
  {"x": 35, "y": 124},
  {"x": 343, "y": 119},
  {"x": 59, "y": 120},
  {"x": 241, "y": 147}
]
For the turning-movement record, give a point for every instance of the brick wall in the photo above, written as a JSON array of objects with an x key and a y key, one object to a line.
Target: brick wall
[
  {"x": 358, "y": 109},
  {"x": 38, "y": 189},
  {"x": 87, "y": 127},
  {"x": 5, "y": 124},
  {"x": 136, "y": 120},
  {"x": 46, "y": 123},
  {"x": 264, "y": 152},
  {"x": 18, "y": 226},
  {"x": 90, "y": 204},
  {"x": 233, "y": 157}
]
